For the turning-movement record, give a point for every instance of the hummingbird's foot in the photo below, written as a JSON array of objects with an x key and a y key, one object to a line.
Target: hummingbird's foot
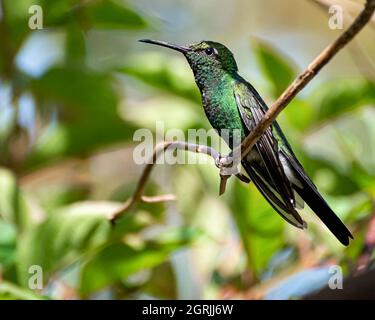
[
  {"x": 223, "y": 161},
  {"x": 243, "y": 178},
  {"x": 223, "y": 183},
  {"x": 224, "y": 179},
  {"x": 226, "y": 165},
  {"x": 227, "y": 168}
]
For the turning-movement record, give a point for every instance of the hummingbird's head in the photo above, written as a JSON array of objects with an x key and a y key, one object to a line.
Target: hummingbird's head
[{"x": 206, "y": 56}]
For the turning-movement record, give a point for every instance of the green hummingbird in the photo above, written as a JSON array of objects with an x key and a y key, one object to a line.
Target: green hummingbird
[{"x": 230, "y": 102}]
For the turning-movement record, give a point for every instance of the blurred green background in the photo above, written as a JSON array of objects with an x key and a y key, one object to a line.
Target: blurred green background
[{"x": 71, "y": 97}]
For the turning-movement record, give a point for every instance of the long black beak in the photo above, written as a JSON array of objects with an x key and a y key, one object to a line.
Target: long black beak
[{"x": 166, "y": 44}]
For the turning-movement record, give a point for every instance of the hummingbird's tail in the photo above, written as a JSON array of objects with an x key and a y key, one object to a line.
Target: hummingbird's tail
[
  {"x": 320, "y": 207},
  {"x": 310, "y": 194}
]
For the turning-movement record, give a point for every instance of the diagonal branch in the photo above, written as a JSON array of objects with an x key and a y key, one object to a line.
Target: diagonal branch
[
  {"x": 247, "y": 144},
  {"x": 306, "y": 76}
]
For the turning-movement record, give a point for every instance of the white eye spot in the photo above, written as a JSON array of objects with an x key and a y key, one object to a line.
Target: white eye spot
[{"x": 209, "y": 51}]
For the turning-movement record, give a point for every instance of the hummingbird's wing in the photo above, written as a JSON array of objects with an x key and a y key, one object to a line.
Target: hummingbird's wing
[
  {"x": 267, "y": 172},
  {"x": 272, "y": 195},
  {"x": 301, "y": 182},
  {"x": 310, "y": 194}
]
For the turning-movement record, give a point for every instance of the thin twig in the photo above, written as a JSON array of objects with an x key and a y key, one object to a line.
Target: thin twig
[
  {"x": 306, "y": 76},
  {"x": 160, "y": 198},
  {"x": 349, "y": 6},
  {"x": 159, "y": 149},
  {"x": 360, "y": 57}
]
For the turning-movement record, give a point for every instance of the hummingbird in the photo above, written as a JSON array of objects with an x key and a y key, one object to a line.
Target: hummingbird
[{"x": 230, "y": 102}]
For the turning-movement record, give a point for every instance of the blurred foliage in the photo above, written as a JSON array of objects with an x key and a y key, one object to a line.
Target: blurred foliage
[
  {"x": 66, "y": 164},
  {"x": 276, "y": 68},
  {"x": 71, "y": 90}
]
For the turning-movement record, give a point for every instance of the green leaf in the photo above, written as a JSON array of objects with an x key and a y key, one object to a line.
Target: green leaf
[
  {"x": 260, "y": 227},
  {"x": 131, "y": 223},
  {"x": 363, "y": 177},
  {"x": 88, "y": 115},
  {"x": 346, "y": 154},
  {"x": 162, "y": 283},
  {"x": 299, "y": 115},
  {"x": 12, "y": 292},
  {"x": 58, "y": 12},
  {"x": 13, "y": 206},
  {"x": 114, "y": 15},
  {"x": 119, "y": 261},
  {"x": 75, "y": 45},
  {"x": 355, "y": 208},
  {"x": 51, "y": 197},
  {"x": 65, "y": 235},
  {"x": 163, "y": 73},
  {"x": 338, "y": 97},
  {"x": 276, "y": 68},
  {"x": 8, "y": 238},
  {"x": 17, "y": 16},
  {"x": 101, "y": 14},
  {"x": 343, "y": 183}
]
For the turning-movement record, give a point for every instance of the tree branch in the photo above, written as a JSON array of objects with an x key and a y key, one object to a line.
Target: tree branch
[
  {"x": 247, "y": 144},
  {"x": 306, "y": 76},
  {"x": 160, "y": 198},
  {"x": 159, "y": 149}
]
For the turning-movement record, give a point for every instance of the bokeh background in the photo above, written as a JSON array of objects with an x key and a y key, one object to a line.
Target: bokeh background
[{"x": 71, "y": 97}]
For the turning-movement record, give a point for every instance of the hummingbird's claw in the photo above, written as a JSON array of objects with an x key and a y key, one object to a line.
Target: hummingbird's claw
[
  {"x": 223, "y": 183},
  {"x": 242, "y": 177}
]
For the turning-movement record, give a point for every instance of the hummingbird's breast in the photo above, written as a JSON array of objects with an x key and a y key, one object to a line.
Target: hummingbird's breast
[{"x": 221, "y": 110}]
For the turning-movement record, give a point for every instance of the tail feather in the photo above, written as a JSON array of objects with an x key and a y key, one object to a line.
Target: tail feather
[
  {"x": 310, "y": 194},
  {"x": 320, "y": 207}
]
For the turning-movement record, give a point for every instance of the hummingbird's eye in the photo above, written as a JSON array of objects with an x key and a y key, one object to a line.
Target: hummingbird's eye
[{"x": 209, "y": 51}]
